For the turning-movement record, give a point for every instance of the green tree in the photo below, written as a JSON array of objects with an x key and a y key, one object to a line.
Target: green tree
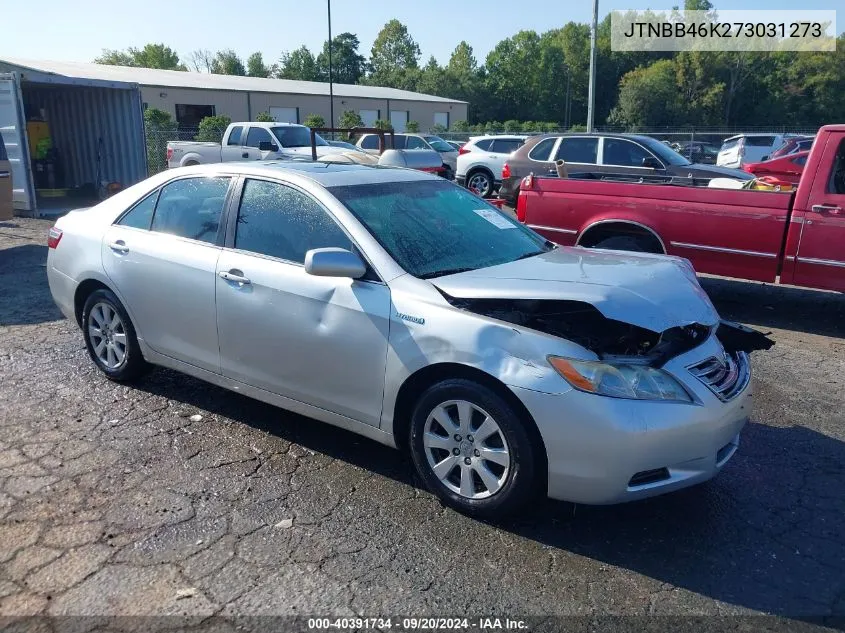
[
  {"x": 227, "y": 62},
  {"x": 436, "y": 129},
  {"x": 265, "y": 117},
  {"x": 299, "y": 64},
  {"x": 158, "y": 128},
  {"x": 348, "y": 65},
  {"x": 314, "y": 120},
  {"x": 255, "y": 66},
  {"x": 212, "y": 128},
  {"x": 512, "y": 125},
  {"x": 151, "y": 56},
  {"x": 349, "y": 119},
  {"x": 434, "y": 80},
  {"x": 413, "y": 126},
  {"x": 460, "y": 126},
  {"x": 381, "y": 124},
  {"x": 648, "y": 96},
  {"x": 393, "y": 55}
]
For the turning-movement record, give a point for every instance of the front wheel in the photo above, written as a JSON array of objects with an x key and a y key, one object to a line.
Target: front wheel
[
  {"x": 472, "y": 450},
  {"x": 110, "y": 337}
]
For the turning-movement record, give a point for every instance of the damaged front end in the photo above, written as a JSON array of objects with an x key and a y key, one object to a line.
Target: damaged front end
[{"x": 610, "y": 339}]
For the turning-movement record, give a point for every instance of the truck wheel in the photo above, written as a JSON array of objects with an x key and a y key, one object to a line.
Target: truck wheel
[
  {"x": 191, "y": 163},
  {"x": 623, "y": 243}
]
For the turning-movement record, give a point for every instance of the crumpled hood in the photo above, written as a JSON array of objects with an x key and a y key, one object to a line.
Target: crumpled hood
[{"x": 655, "y": 292}]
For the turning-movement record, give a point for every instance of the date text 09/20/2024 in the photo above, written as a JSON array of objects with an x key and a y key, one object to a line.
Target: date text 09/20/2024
[{"x": 418, "y": 624}]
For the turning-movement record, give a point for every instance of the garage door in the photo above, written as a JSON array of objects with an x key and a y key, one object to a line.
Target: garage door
[
  {"x": 399, "y": 120},
  {"x": 14, "y": 138},
  {"x": 285, "y": 115},
  {"x": 369, "y": 117},
  {"x": 442, "y": 119}
]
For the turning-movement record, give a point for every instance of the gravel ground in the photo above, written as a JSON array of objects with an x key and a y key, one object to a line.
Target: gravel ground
[{"x": 176, "y": 497}]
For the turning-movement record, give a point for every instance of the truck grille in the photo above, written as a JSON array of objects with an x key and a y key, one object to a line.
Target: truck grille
[{"x": 727, "y": 376}]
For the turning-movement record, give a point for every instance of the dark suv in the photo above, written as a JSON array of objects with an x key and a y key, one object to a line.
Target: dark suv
[{"x": 627, "y": 155}]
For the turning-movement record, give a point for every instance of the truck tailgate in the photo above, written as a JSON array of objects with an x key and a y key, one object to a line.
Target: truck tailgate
[{"x": 730, "y": 232}]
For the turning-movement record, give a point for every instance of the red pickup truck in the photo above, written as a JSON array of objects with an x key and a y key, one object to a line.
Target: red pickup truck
[{"x": 793, "y": 237}]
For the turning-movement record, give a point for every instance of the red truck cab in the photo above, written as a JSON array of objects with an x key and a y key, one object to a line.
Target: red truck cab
[{"x": 792, "y": 237}]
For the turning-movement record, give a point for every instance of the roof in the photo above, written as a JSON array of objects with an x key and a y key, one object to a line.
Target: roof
[
  {"x": 207, "y": 81},
  {"x": 325, "y": 174}
]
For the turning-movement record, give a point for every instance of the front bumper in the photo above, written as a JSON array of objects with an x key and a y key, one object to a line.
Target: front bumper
[{"x": 607, "y": 450}]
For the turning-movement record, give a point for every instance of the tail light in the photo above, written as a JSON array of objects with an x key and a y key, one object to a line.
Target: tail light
[
  {"x": 741, "y": 147},
  {"x": 169, "y": 153},
  {"x": 521, "y": 207},
  {"x": 54, "y": 236},
  {"x": 747, "y": 167},
  {"x": 463, "y": 150},
  {"x": 506, "y": 171}
]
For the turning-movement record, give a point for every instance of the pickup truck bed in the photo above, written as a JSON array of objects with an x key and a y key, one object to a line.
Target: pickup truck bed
[{"x": 796, "y": 237}]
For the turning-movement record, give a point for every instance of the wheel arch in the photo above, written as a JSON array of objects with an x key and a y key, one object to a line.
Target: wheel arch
[
  {"x": 617, "y": 226},
  {"x": 415, "y": 384}
]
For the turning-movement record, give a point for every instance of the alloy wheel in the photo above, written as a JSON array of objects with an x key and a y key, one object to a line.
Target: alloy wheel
[
  {"x": 108, "y": 335},
  {"x": 479, "y": 184},
  {"x": 466, "y": 449}
]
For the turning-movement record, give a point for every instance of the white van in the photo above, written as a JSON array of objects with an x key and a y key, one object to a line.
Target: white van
[{"x": 738, "y": 150}]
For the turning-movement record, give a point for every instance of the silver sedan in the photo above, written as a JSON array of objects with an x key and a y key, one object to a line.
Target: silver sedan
[{"x": 402, "y": 307}]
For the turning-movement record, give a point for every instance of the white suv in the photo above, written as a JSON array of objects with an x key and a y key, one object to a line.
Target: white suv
[
  {"x": 738, "y": 150},
  {"x": 480, "y": 161}
]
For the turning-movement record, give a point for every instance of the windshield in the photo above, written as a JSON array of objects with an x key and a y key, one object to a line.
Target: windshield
[
  {"x": 434, "y": 228},
  {"x": 438, "y": 144},
  {"x": 664, "y": 153},
  {"x": 295, "y": 136}
]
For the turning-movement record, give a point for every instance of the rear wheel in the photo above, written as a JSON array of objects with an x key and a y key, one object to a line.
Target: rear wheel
[
  {"x": 480, "y": 183},
  {"x": 472, "y": 450},
  {"x": 110, "y": 337}
]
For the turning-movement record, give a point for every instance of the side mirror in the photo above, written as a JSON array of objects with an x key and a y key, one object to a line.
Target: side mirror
[
  {"x": 652, "y": 163},
  {"x": 268, "y": 146},
  {"x": 334, "y": 262}
]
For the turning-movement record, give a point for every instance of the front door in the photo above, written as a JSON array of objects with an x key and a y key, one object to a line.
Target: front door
[
  {"x": 318, "y": 340},
  {"x": 162, "y": 257},
  {"x": 821, "y": 255}
]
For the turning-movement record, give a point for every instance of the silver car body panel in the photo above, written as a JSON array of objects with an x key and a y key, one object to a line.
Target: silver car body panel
[{"x": 339, "y": 350}]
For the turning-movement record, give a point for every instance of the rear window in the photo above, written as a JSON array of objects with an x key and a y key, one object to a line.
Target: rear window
[
  {"x": 759, "y": 141},
  {"x": 542, "y": 150},
  {"x": 729, "y": 144},
  {"x": 484, "y": 144},
  {"x": 3, "y": 155}
]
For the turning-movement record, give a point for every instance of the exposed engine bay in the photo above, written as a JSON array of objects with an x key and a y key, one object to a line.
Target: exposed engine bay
[{"x": 584, "y": 324}]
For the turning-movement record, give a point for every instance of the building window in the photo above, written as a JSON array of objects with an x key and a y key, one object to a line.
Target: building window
[
  {"x": 441, "y": 118},
  {"x": 190, "y": 115},
  {"x": 285, "y": 115},
  {"x": 369, "y": 117}
]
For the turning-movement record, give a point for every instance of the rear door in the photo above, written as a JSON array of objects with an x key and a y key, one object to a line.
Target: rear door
[
  {"x": 7, "y": 211},
  {"x": 162, "y": 257},
  {"x": 821, "y": 256},
  {"x": 580, "y": 153},
  {"x": 498, "y": 151},
  {"x": 13, "y": 131},
  {"x": 233, "y": 150}
]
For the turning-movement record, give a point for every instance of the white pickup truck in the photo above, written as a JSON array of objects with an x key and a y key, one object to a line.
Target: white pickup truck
[{"x": 250, "y": 141}]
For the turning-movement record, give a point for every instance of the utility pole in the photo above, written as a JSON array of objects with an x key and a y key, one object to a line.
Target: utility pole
[
  {"x": 331, "y": 78},
  {"x": 591, "y": 95}
]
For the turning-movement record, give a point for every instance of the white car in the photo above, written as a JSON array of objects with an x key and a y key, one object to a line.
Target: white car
[
  {"x": 480, "y": 161},
  {"x": 448, "y": 154},
  {"x": 738, "y": 150}
]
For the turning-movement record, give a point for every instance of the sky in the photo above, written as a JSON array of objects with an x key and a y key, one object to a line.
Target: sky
[{"x": 78, "y": 30}]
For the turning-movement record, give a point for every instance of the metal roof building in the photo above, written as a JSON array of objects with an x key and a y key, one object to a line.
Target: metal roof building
[{"x": 93, "y": 116}]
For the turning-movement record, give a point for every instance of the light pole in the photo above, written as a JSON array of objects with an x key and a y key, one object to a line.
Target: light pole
[
  {"x": 591, "y": 95},
  {"x": 331, "y": 87}
]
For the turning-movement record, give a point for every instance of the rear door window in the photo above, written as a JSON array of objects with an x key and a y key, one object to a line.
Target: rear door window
[
  {"x": 191, "y": 208},
  {"x": 623, "y": 153},
  {"x": 578, "y": 150},
  {"x": 141, "y": 215},
  {"x": 235, "y": 136},
  {"x": 542, "y": 151},
  {"x": 369, "y": 142},
  {"x": 415, "y": 142},
  {"x": 505, "y": 145}
]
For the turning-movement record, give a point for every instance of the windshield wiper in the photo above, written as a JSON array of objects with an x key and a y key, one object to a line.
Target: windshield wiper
[{"x": 447, "y": 271}]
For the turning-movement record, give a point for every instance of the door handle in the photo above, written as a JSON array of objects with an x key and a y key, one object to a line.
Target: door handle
[
  {"x": 119, "y": 246},
  {"x": 245, "y": 155},
  {"x": 829, "y": 208},
  {"x": 5, "y": 174},
  {"x": 235, "y": 276}
]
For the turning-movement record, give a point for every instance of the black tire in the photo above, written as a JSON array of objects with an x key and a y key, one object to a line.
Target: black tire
[
  {"x": 133, "y": 364},
  {"x": 624, "y": 243},
  {"x": 448, "y": 174},
  {"x": 521, "y": 481},
  {"x": 487, "y": 189}
]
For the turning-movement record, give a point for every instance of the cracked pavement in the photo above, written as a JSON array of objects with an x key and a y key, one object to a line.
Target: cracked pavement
[{"x": 174, "y": 497}]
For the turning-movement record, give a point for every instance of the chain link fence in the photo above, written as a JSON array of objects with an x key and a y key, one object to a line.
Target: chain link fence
[{"x": 157, "y": 143}]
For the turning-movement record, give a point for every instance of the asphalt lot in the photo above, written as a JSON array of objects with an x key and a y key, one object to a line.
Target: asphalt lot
[{"x": 121, "y": 500}]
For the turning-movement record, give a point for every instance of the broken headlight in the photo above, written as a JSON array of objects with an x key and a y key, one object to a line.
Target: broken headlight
[{"x": 637, "y": 382}]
